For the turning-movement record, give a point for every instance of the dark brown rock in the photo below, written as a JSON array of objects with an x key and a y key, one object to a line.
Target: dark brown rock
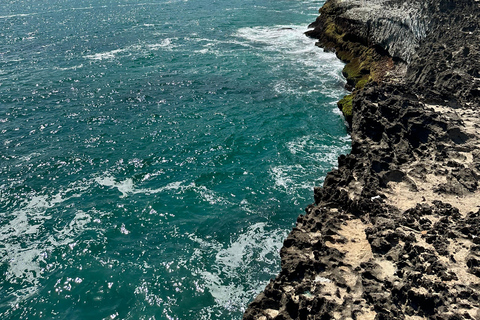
[{"x": 394, "y": 231}]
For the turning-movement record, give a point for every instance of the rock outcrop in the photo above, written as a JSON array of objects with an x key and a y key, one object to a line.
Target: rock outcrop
[{"x": 394, "y": 232}]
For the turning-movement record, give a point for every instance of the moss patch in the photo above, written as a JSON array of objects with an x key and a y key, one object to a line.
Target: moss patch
[
  {"x": 362, "y": 82},
  {"x": 345, "y": 105},
  {"x": 364, "y": 63}
]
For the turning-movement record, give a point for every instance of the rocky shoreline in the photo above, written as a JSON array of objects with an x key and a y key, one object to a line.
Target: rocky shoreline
[{"x": 394, "y": 232}]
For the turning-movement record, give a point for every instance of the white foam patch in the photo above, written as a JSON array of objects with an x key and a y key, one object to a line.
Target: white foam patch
[
  {"x": 292, "y": 178},
  {"x": 286, "y": 45},
  {"x": 314, "y": 154},
  {"x": 19, "y": 15},
  {"x": 312, "y": 148},
  {"x": 26, "y": 244},
  {"x": 243, "y": 249},
  {"x": 25, "y": 248},
  {"x": 125, "y": 187},
  {"x": 254, "y": 245},
  {"x": 70, "y": 68},
  {"x": 206, "y": 194},
  {"x": 134, "y": 50},
  {"x": 105, "y": 55},
  {"x": 288, "y": 39},
  {"x": 164, "y": 44},
  {"x": 202, "y": 51},
  {"x": 217, "y": 47}
]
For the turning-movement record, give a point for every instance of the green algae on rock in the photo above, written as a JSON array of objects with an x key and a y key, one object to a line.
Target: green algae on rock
[{"x": 365, "y": 61}]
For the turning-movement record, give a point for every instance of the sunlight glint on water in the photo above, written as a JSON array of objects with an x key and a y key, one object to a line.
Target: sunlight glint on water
[{"x": 155, "y": 154}]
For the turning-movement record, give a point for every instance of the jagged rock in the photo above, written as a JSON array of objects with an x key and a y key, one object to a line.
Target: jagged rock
[{"x": 394, "y": 231}]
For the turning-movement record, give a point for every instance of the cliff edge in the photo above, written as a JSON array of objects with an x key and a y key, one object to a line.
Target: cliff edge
[{"x": 394, "y": 232}]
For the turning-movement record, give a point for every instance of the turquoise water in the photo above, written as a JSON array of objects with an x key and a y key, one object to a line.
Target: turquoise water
[{"x": 154, "y": 155}]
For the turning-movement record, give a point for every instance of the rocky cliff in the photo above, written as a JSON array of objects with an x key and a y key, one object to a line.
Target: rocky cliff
[{"x": 394, "y": 232}]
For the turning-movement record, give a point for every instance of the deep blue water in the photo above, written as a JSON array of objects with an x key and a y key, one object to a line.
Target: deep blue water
[{"x": 154, "y": 155}]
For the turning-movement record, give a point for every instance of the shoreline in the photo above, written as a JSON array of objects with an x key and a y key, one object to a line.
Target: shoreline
[{"x": 393, "y": 232}]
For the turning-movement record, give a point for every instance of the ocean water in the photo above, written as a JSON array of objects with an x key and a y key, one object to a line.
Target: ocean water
[{"x": 154, "y": 154}]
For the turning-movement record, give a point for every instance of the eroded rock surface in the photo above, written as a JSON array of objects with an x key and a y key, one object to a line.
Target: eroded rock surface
[{"x": 395, "y": 231}]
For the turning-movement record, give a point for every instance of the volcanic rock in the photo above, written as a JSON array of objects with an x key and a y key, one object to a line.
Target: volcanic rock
[{"x": 394, "y": 231}]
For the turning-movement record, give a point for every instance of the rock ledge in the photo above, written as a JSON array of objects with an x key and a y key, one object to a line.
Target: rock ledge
[{"x": 394, "y": 232}]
